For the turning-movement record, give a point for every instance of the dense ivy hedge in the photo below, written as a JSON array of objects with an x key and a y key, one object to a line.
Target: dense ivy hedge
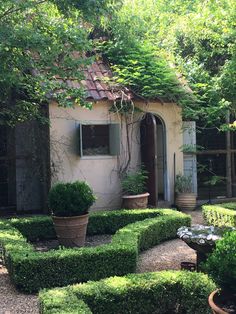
[
  {"x": 31, "y": 271},
  {"x": 221, "y": 214},
  {"x": 159, "y": 292}
]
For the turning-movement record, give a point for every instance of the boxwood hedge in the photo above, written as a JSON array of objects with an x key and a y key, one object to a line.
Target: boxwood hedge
[
  {"x": 31, "y": 271},
  {"x": 157, "y": 293},
  {"x": 221, "y": 214},
  {"x": 100, "y": 222}
]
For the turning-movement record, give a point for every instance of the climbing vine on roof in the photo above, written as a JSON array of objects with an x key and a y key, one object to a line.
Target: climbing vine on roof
[
  {"x": 197, "y": 37},
  {"x": 145, "y": 71}
]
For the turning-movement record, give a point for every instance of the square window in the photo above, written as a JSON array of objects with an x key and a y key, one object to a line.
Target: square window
[
  {"x": 99, "y": 139},
  {"x": 95, "y": 140}
]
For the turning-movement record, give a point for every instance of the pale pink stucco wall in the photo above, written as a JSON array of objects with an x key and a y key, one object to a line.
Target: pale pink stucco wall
[{"x": 102, "y": 172}]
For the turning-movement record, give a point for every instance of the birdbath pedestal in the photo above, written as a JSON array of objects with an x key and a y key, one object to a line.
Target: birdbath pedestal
[{"x": 202, "y": 239}]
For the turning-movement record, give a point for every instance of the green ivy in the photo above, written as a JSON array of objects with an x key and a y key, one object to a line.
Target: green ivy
[
  {"x": 145, "y": 71},
  {"x": 197, "y": 37}
]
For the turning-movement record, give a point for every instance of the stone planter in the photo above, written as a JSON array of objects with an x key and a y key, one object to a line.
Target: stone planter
[
  {"x": 202, "y": 239},
  {"x": 135, "y": 201},
  {"x": 186, "y": 201},
  {"x": 71, "y": 231}
]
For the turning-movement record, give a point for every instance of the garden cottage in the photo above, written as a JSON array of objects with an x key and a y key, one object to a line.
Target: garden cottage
[{"x": 120, "y": 132}]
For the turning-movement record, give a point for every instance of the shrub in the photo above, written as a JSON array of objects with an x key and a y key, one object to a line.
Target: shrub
[
  {"x": 30, "y": 270},
  {"x": 71, "y": 199},
  {"x": 220, "y": 215},
  {"x": 100, "y": 222},
  {"x": 135, "y": 183},
  {"x": 230, "y": 205},
  {"x": 109, "y": 221},
  {"x": 183, "y": 184},
  {"x": 35, "y": 228},
  {"x": 221, "y": 264},
  {"x": 159, "y": 293},
  {"x": 63, "y": 302}
]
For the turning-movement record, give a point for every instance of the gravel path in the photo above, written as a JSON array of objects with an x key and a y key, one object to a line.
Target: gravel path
[
  {"x": 90, "y": 241},
  {"x": 167, "y": 255},
  {"x": 170, "y": 254},
  {"x": 197, "y": 217},
  {"x": 13, "y": 302}
]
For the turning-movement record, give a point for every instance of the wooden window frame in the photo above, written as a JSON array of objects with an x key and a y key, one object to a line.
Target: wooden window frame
[{"x": 114, "y": 139}]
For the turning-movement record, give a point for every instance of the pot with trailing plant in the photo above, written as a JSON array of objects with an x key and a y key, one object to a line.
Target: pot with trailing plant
[
  {"x": 221, "y": 266},
  {"x": 69, "y": 204},
  {"x": 134, "y": 189},
  {"x": 185, "y": 199}
]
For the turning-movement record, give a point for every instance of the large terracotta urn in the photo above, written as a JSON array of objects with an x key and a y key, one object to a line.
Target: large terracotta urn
[
  {"x": 186, "y": 201},
  {"x": 135, "y": 201},
  {"x": 71, "y": 231},
  {"x": 212, "y": 302}
]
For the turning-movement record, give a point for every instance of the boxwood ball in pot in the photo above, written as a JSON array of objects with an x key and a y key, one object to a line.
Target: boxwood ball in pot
[{"x": 69, "y": 204}]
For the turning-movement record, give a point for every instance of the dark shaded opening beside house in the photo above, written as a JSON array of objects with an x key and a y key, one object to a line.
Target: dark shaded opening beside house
[
  {"x": 7, "y": 168},
  {"x": 216, "y": 170},
  {"x": 24, "y": 168}
]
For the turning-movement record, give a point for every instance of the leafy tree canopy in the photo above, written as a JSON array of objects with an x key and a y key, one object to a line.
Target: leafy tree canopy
[
  {"x": 144, "y": 37},
  {"x": 197, "y": 37},
  {"x": 38, "y": 39}
]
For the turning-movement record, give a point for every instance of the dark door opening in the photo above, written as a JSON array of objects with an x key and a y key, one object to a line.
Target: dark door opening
[
  {"x": 24, "y": 168},
  {"x": 3, "y": 168},
  {"x": 7, "y": 168},
  {"x": 153, "y": 156}
]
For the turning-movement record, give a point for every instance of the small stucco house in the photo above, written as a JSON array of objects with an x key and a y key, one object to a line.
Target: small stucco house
[{"x": 96, "y": 145}]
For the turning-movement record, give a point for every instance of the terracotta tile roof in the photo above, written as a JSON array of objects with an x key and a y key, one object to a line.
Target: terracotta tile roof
[{"x": 98, "y": 83}]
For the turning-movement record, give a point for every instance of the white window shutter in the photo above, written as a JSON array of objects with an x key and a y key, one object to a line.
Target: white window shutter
[{"x": 190, "y": 159}]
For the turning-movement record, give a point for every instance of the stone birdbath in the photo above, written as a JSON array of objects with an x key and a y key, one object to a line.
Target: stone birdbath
[{"x": 202, "y": 239}]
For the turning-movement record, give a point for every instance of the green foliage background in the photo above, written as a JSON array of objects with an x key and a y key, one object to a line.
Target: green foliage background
[
  {"x": 197, "y": 38},
  {"x": 37, "y": 42},
  {"x": 157, "y": 48}
]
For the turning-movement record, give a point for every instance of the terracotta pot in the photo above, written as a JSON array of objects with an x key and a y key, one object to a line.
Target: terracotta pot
[
  {"x": 186, "y": 201},
  {"x": 71, "y": 231},
  {"x": 214, "y": 307},
  {"x": 135, "y": 201}
]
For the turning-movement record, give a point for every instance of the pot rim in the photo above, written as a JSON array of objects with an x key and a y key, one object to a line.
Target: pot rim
[
  {"x": 212, "y": 304},
  {"x": 70, "y": 217},
  {"x": 187, "y": 193},
  {"x": 136, "y": 196}
]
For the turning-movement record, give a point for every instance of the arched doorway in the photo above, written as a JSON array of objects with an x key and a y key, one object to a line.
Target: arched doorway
[{"x": 153, "y": 156}]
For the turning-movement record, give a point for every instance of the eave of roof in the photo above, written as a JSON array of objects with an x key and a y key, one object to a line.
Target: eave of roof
[{"x": 98, "y": 84}]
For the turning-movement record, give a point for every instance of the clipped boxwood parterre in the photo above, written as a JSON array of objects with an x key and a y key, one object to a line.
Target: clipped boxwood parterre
[
  {"x": 31, "y": 271},
  {"x": 100, "y": 222},
  {"x": 157, "y": 293},
  {"x": 221, "y": 214}
]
